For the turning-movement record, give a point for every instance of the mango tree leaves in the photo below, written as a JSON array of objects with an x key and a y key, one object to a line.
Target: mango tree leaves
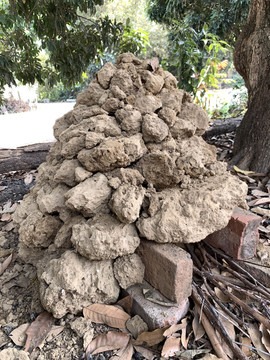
[
  {"x": 111, "y": 341},
  {"x": 38, "y": 330},
  {"x": 106, "y": 314}
]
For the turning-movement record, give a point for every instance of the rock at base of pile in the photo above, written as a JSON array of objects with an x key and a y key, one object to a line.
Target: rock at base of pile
[
  {"x": 129, "y": 162},
  {"x": 72, "y": 282}
]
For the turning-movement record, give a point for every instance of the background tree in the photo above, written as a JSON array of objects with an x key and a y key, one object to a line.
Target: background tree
[
  {"x": 252, "y": 61},
  {"x": 224, "y": 18},
  {"x": 200, "y": 36},
  {"x": 135, "y": 11},
  {"x": 251, "y": 58},
  {"x": 66, "y": 31}
]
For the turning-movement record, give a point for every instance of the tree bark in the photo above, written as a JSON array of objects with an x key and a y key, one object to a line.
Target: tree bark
[
  {"x": 23, "y": 158},
  {"x": 252, "y": 61}
]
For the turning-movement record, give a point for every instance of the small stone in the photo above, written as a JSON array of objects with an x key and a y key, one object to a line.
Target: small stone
[
  {"x": 67, "y": 289},
  {"x": 126, "y": 202},
  {"x": 154, "y": 129},
  {"x": 136, "y": 326},
  {"x": 13, "y": 354},
  {"x": 105, "y": 74},
  {"x": 147, "y": 104},
  {"x": 66, "y": 172},
  {"x": 81, "y": 174},
  {"x": 128, "y": 270},
  {"x": 104, "y": 237},
  {"x": 84, "y": 329},
  {"x": 167, "y": 115},
  {"x": 90, "y": 196},
  {"x": 92, "y": 139}
]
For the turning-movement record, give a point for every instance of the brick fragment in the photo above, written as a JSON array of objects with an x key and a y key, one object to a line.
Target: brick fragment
[
  {"x": 168, "y": 268},
  {"x": 240, "y": 237},
  {"x": 155, "y": 315}
]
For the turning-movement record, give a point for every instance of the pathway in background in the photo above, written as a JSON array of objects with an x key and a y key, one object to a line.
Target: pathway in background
[{"x": 31, "y": 127}]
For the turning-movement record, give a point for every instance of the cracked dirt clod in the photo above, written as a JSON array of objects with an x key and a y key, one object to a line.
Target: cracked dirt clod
[{"x": 128, "y": 162}]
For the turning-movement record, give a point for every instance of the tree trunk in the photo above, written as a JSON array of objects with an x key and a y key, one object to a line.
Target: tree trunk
[
  {"x": 252, "y": 61},
  {"x": 23, "y": 158}
]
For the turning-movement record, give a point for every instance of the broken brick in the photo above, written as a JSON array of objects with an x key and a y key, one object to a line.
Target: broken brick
[
  {"x": 155, "y": 315},
  {"x": 240, "y": 237},
  {"x": 168, "y": 268}
]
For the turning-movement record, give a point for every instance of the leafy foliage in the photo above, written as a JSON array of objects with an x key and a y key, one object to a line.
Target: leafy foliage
[
  {"x": 135, "y": 10},
  {"x": 194, "y": 57},
  {"x": 66, "y": 31},
  {"x": 200, "y": 36},
  {"x": 225, "y": 18}
]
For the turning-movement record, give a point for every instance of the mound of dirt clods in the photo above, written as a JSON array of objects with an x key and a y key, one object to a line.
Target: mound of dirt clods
[{"x": 129, "y": 162}]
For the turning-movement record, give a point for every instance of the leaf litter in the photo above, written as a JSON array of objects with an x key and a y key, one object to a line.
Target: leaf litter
[{"x": 198, "y": 342}]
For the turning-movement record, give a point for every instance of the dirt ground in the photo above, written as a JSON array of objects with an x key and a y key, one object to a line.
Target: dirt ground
[{"x": 19, "y": 299}]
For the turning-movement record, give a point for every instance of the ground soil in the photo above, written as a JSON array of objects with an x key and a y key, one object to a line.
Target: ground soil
[{"x": 19, "y": 299}]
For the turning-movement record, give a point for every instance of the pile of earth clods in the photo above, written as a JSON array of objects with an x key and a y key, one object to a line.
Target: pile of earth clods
[{"x": 129, "y": 162}]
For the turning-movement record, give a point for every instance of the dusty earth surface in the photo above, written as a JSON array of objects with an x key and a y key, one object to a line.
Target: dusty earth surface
[{"x": 19, "y": 293}]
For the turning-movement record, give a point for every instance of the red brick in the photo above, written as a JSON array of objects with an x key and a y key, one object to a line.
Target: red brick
[
  {"x": 155, "y": 315},
  {"x": 168, "y": 268},
  {"x": 240, "y": 237}
]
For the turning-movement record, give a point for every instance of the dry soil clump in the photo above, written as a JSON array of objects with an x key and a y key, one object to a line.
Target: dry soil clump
[{"x": 129, "y": 161}]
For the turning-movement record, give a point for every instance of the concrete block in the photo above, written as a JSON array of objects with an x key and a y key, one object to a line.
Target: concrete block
[{"x": 155, "y": 315}]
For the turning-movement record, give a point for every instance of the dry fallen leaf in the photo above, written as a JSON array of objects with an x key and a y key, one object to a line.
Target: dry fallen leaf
[
  {"x": 265, "y": 337},
  {"x": 184, "y": 338},
  {"x": 113, "y": 340},
  {"x": 259, "y": 201},
  {"x": 255, "y": 336},
  {"x": 106, "y": 314},
  {"x": 124, "y": 354},
  {"x": 5, "y": 264},
  {"x": 55, "y": 331},
  {"x": 28, "y": 179},
  {"x": 261, "y": 211},
  {"x": 173, "y": 329},
  {"x": 2, "y": 188},
  {"x": 230, "y": 330},
  {"x": 38, "y": 331},
  {"x": 156, "y": 298},
  {"x": 6, "y": 217},
  {"x": 126, "y": 303},
  {"x": 18, "y": 335},
  {"x": 244, "y": 172},
  {"x": 170, "y": 347},
  {"x": 259, "y": 193},
  {"x": 197, "y": 327},
  {"x": 150, "y": 338},
  {"x": 7, "y": 205},
  {"x": 246, "y": 349}
]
